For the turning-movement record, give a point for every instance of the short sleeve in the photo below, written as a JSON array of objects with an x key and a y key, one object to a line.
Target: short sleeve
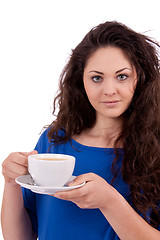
[{"x": 43, "y": 143}]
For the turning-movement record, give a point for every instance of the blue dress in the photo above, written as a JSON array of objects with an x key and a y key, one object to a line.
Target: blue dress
[{"x": 56, "y": 219}]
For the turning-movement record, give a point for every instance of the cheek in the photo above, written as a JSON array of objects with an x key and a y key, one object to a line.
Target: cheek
[
  {"x": 87, "y": 90},
  {"x": 90, "y": 90},
  {"x": 133, "y": 87},
  {"x": 93, "y": 96},
  {"x": 89, "y": 93},
  {"x": 127, "y": 93},
  {"x": 130, "y": 88}
]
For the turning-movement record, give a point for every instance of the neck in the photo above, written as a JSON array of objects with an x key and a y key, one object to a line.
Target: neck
[
  {"x": 110, "y": 127},
  {"x": 103, "y": 134}
]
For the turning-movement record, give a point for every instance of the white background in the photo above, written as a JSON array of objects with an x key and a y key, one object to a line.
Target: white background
[{"x": 36, "y": 38}]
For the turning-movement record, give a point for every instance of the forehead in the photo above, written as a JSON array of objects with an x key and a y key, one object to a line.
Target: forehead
[{"x": 108, "y": 57}]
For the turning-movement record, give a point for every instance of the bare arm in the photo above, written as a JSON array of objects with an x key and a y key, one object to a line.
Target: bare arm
[
  {"x": 97, "y": 193},
  {"x": 127, "y": 223},
  {"x": 16, "y": 224}
]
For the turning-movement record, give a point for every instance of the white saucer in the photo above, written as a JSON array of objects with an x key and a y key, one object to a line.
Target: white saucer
[{"x": 27, "y": 182}]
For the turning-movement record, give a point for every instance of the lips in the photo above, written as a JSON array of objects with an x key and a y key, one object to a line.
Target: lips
[{"x": 112, "y": 103}]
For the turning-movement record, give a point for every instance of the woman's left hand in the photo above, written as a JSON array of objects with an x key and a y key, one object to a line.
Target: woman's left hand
[{"x": 96, "y": 193}]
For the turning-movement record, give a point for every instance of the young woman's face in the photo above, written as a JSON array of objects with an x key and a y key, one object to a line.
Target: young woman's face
[{"x": 109, "y": 80}]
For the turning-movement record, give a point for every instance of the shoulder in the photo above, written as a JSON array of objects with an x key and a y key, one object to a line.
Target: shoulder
[{"x": 44, "y": 143}]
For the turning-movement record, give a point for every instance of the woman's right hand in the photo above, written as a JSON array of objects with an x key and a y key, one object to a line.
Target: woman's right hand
[{"x": 16, "y": 164}]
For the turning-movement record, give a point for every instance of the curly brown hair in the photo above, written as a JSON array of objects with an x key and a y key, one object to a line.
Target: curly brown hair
[{"x": 141, "y": 126}]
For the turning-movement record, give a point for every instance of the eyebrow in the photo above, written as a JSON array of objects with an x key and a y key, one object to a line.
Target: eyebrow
[
  {"x": 123, "y": 70},
  {"x": 97, "y": 72},
  {"x": 115, "y": 72}
]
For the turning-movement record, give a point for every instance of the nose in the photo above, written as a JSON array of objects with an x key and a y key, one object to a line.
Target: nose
[{"x": 109, "y": 87}]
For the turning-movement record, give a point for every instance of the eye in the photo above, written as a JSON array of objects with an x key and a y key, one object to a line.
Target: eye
[
  {"x": 122, "y": 77},
  {"x": 97, "y": 79}
]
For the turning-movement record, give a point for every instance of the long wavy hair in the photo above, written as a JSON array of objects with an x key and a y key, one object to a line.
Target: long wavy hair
[{"x": 141, "y": 127}]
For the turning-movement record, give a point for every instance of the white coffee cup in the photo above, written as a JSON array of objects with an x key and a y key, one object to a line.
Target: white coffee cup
[{"x": 51, "y": 170}]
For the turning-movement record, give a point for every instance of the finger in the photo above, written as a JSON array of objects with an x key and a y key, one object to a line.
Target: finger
[
  {"x": 32, "y": 152},
  {"x": 22, "y": 157},
  {"x": 72, "y": 194},
  {"x": 10, "y": 176},
  {"x": 28, "y": 153},
  {"x": 16, "y": 168},
  {"x": 82, "y": 178}
]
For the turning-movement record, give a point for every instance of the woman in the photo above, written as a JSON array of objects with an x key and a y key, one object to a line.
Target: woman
[{"x": 108, "y": 118}]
